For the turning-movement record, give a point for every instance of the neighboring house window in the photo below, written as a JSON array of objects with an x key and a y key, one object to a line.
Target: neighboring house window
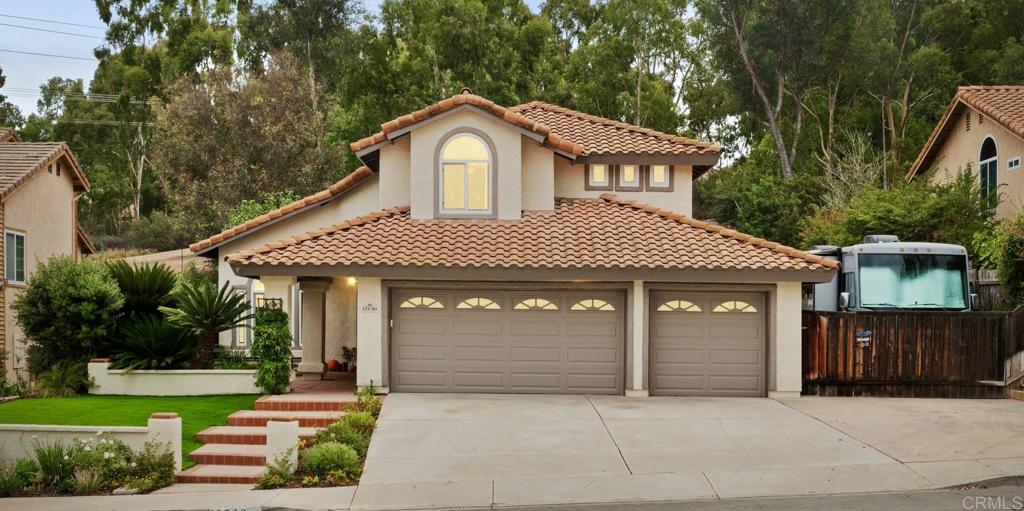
[
  {"x": 465, "y": 175},
  {"x": 629, "y": 178},
  {"x": 659, "y": 178},
  {"x": 988, "y": 169},
  {"x": 1013, "y": 163},
  {"x": 599, "y": 176},
  {"x": 14, "y": 257}
]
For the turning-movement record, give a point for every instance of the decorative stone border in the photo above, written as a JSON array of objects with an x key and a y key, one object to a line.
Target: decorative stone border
[
  {"x": 18, "y": 440},
  {"x": 171, "y": 382}
]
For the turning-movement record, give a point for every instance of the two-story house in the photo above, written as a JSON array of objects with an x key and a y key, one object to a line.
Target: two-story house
[
  {"x": 530, "y": 249},
  {"x": 982, "y": 129},
  {"x": 40, "y": 184}
]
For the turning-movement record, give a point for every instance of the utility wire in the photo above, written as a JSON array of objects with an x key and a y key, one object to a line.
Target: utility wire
[
  {"x": 47, "y": 55},
  {"x": 51, "y": 21},
  {"x": 51, "y": 31}
]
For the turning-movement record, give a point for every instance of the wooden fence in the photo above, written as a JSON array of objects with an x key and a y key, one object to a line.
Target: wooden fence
[{"x": 926, "y": 354}]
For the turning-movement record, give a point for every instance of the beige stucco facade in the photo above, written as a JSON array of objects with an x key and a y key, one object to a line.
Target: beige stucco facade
[
  {"x": 961, "y": 149},
  {"x": 43, "y": 210}
]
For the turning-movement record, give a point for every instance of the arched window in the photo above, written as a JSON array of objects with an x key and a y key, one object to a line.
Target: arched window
[
  {"x": 466, "y": 163},
  {"x": 988, "y": 169},
  {"x": 592, "y": 304},
  {"x": 421, "y": 302},
  {"x": 678, "y": 306},
  {"x": 734, "y": 306},
  {"x": 541, "y": 304},
  {"x": 479, "y": 303}
]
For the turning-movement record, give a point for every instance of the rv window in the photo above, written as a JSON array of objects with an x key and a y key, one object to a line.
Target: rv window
[{"x": 912, "y": 281}]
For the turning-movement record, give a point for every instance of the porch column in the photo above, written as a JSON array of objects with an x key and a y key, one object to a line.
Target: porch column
[
  {"x": 369, "y": 332},
  {"x": 312, "y": 314},
  {"x": 786, "y": 372},
  {"x": 636, "y": 386}
]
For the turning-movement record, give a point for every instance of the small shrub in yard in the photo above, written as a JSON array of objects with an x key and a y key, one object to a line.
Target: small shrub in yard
[
  {"x": 368, "y": 400},
  {"x": 207, "y": 311},
  {"x": 56, "y": 465},
  {"x": 149, "y": 341},
  {"x": 279, "y": 473},
  {"x": 352, "y": 429},
  {"x": 16, "y": 477},
  {"x": 331, "y": 457},
  {"x": 152, "y": 468},
  {"x": 271, "y": 347},
  {"x": 64, "y": 379},
  {"x": 88, "y": 482}
]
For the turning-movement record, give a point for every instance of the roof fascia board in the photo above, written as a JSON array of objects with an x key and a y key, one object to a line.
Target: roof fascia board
[{"x": 402, "y": 131}]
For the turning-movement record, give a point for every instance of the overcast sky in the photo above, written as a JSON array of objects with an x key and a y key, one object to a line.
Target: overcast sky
[{"x": 25, "y": 72}]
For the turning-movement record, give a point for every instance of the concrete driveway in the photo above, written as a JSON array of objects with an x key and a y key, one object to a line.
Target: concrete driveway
[{"x": 484, "y": 450}]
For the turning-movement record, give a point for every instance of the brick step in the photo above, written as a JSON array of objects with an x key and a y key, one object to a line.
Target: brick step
[
  {"x": 221, "y": 474},
  {"x": 243, "y": 435},
  {"x": 230, "y": 454},
  {"x": 262, "y": 417},
  {"x": 1016, "y": 394},
  {"x": 304, "y": 402}
]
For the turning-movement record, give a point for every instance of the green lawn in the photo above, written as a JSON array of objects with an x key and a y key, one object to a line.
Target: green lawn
[{"x": 197, "y": 412}]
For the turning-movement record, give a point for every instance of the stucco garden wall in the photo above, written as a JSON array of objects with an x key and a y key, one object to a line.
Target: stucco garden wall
[{"x": 176, "y": 382}]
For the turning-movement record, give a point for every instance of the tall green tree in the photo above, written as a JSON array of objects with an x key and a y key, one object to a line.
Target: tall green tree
[{"x": 10, "y": 114}]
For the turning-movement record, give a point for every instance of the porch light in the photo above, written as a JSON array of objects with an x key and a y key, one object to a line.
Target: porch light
[{"x": 351, "y": 281}]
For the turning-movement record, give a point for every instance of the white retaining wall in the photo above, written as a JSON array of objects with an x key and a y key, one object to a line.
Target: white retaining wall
[{"x": 173, "y": 382}]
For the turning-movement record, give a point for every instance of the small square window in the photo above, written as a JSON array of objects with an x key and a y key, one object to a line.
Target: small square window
[
  {"x": 629, "y": 178},
  {"x": 599, "y": 176},
  {"x": 1013, "y": 163},
  {"x": 659, "y": 177}
]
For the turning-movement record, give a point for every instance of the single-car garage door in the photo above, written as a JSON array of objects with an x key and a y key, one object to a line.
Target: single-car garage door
[
  {"x": 707, "y": 344},
  {"x": 501, "y": 341}
]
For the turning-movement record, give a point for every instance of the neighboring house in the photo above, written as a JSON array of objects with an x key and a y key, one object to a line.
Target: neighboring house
[
  {"x": 981, "y": 129},
  {"x": 531, "y": 249},
  {"x": 40, "y": 184}
]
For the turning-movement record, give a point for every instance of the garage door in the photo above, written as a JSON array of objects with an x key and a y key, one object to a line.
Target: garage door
[
  {"x": 707, "y": 344},
  {"x": 555, "y": 342}
]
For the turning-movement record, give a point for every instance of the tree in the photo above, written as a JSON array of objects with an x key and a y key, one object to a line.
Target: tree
[
  {"x": 206, "y": 311},
  {"x": 259, "y": 136},
  {"x": 10, "y": 114},
  {"x": 250, "y": 209}
]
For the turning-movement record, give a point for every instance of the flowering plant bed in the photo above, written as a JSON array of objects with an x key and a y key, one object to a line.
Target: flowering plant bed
[{"x": 335, "y": 456}]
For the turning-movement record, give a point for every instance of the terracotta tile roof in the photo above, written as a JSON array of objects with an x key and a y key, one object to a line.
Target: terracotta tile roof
[
  {"x": 1003, "y": 104},
  {"x": 599, "y": 135},
  {"x": 552, "y": 140},
  {"x": 605, "y": 233},
  {"x": 8, "y": 134},
  {"x": 348, "y": 182},
  {"x": 19, "y": 160}
]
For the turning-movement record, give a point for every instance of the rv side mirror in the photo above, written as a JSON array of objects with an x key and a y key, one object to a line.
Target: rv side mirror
[
  {"x": 844, "y": 300},
  {"x": 974, "y": 301}
]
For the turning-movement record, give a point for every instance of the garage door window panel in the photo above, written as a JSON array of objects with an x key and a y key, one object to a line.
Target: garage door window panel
[
  {"x": 479, "y": 303},
  {"x": 536, "y": 304},
  {"x": 734, "y": 306},
  {"x": 592, "y": 304},
  {"x": 679, "y": 306},
  {"x": 421, "y": 302}
]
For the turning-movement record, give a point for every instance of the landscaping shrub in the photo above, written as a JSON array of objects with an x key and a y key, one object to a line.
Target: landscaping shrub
[
  {"x": 145, "y": 287},
  {"x": 16, "y": 476},
  {"x": 353, "y": 429},
  {"x": 230, "y": 359},
  {"x": 68, "y": 310},
  {"x": 149, "y": 341},
  {"x": 88, "y": 481},
  {"x": 67, "y": 378},
  {"x": 271, "y": 347},
  {"x": 152, "y": 468},
  {"x": 16, "y": 388},
  {"x": 330, "y": 457},
  {"x": 56, "y": 465},
  {"x": 207, "y": 311},
  {"x": 1009, "y": 259},
  {"x": 279, "y": 473},
  {"x": 368, "y": 399}
]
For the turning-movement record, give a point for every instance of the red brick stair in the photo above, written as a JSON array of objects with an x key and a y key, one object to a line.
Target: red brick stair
[{"x": 235, "y": 453}]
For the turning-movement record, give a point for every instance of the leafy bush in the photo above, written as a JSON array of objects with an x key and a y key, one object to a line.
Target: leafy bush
[
  {"x": 145, "y": 287},
  {"x": 16, "y": 476},
  {"x": 64, "y": 379},
  {"x": 68, "y": 310},
  {"x": 231, "y": 359},
  {"x": 1009, "y": 259},
  {"x": 193, "y": 274},
  {"x": 353, "y": 430},
  {"x": 279, "y": 473},
  {"x": 250, "y": 209},
  {"x": 88, "y": 482},
  {"x": 152, "y": 468},
  {"x": 368, "y": 400},
  {"x": 207, "y": 311},
  {"x": 16, "y": 388},
  {"x": 149, "y": 341},
  {"x": 56, "y": 465},
  {"x": 327, "y": 457},
  {"x": 271, "y": 347},
  {"x": 158, "y": 231}
]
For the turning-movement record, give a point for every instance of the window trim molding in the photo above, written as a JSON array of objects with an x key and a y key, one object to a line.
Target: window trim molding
[
  {"x": 620, "y": 187},
  {"x": 671, "y": 179},
  {"x": 24, "y": 236},
  {"x": 492, "y": 175},
  {"x": 981, "y": 168},
  {"x": 1010, "y": 160},
  {"x": 609, "y": 173}
]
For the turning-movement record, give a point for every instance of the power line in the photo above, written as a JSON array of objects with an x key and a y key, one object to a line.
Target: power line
[
  {"x": 50, "y": 21},
  {"x": 47, "y": 55},
  {"x": 51, "y": 31}
]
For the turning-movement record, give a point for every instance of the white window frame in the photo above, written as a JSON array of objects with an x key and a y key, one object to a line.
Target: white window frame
[
  {"x": 606, "y": 183},
  {"x": 465, "y": 165},
  {"x": 24, "y": 258},
  {"x": 629, "y": 186},
  {"x": 667, "y": 185},
  {"x": 993, "y": 188},
  {"x": 1013, "y": 163}
]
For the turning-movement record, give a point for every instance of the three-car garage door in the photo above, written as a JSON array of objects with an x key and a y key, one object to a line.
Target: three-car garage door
[
  {"x": 707, "y": 344},
  {"x": 507, "y": 341}
]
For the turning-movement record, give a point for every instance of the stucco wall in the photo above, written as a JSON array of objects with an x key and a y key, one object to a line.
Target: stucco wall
[
  {"x": 43, "y": 209},
  {"x": 341, "y": 317},
  {"x": 570, "y": 182},
  {"x": 508, "y": 175},
  {"x": 962, "y": 148},
  {"x": 538, "y": 176},
  {"x": 176, "y": 382},
  {"x": 785, "y": 343},
  {"x": 394, "y": 183}
]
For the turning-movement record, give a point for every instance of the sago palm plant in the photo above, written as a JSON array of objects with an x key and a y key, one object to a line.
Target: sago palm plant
[
  {"x": 149, "y": 341},
  {"x": 207, "y": 311},
  {"x": 145, "y": 287}
]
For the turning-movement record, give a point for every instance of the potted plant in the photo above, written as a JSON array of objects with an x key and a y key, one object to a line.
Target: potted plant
[{"x": 349, "y": 355}]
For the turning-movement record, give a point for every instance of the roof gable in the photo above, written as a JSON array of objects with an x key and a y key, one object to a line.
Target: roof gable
[
  {"x": 1003, "y": 104},
  {"x": 605, "y": 233},
  {"x": 20, "y": 160}
]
